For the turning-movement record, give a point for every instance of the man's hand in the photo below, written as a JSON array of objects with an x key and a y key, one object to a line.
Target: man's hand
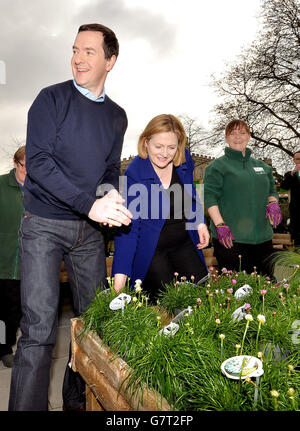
[
  {"x": 296, "y": 169},
  {"x": 109, "y": 210},
  {"x": 203, "y": 236}
]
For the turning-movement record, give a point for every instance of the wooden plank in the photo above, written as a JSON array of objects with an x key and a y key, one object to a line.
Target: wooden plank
[
  {"x": 208, "y": 252},
  {"x": 286, "y": 236},
  {"x": 211, "y": 261},
  {"x": 209, "y": 257},
  {"x": 109, "y": 261},
  {"x": 108, "y": 397},
  {"x": 107, "y": 372},
  {"x": 63, "y": 274},
  {"x": 92, "y": 404},
  {"x": 281, "y": 241}
]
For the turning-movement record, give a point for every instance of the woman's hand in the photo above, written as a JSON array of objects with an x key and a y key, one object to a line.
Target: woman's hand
[
  {"x": 119, "y": 281},
  {"x": 225, "y": 236},
  {"x": 224, "y": 233},
  {"x": 203, "y": 236},
  {"x": 273, "y": 213}
]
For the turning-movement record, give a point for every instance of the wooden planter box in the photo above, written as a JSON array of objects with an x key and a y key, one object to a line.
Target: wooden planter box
[
  {"x": 104, "y": 373},
  {"x": 282, "y": 241}
]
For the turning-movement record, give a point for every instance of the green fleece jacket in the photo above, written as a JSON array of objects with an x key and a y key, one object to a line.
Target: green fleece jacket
[
  {"x": 11, "y": 209},
  {"x": 240, "y": 186}
]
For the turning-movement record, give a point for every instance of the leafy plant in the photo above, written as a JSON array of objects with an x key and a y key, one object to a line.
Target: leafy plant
[{"x": 186, "y": 368}]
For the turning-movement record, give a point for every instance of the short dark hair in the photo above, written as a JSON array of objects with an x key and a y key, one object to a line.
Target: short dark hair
[
  {"x": 236, "y": 124},
  {"x": 110, "y": 41}
]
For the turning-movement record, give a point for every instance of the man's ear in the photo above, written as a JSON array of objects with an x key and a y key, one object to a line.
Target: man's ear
[{"x": 110, "y": 62}]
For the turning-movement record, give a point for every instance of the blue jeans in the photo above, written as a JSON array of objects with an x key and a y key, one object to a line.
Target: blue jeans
[{"x": 44, "y": 244}]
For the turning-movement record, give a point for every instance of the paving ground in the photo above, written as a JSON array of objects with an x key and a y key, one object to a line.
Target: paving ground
[{"x": 59, "y": 361}]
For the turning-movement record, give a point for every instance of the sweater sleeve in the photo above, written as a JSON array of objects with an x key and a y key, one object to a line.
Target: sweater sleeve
[
  {"x": 40, "y": 164},
  {"x": 286, "y": 183},
  {"x": 213, "y": 185},
  {"x": 112, "y": 173}
]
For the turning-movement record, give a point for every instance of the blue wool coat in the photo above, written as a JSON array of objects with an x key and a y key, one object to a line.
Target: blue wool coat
[{"x": 136, "y": 244}]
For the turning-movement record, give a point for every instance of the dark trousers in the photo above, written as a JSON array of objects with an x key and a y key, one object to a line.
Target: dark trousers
[
  {"x": 252, "y": 255},
  {"x": 295, "y": 227},
  {"x": 182, "y": 259},
  {"x": 10, "y": 314},
  {"x": 44, "y": 244}
]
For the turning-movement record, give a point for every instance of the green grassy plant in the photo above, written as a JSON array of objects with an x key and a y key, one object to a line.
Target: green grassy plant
[{"x": 185, "y": 368}]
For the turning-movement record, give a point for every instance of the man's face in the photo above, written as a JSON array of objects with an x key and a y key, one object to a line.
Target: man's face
[
  {"x": 89, "y": 65},
  {"x": 297, "y": 159},
  {"x": 20, "y": 170}
]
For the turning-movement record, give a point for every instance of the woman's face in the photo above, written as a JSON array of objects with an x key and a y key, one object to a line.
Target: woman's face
[
  {"x": 162, "y": 148},
  {"x": 238, "y": 139}
]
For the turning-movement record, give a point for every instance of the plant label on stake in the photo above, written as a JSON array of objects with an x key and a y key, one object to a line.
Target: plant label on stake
[
  {"x": 243, "y": 292},
  {"x": 104, "y": 291},
  {"x": 204, "y": 279},
  {"x": 182, "y": 314},
  {"x": 240, "y": 367},
  {"x": 170, "y": 329},
  {"x": 239, "y": 313},
  {"x": 119, "y": 302},
  {"x": 173, "y": 326}
]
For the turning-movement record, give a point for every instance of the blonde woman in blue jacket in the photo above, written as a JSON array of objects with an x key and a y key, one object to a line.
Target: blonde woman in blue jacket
[{"x": 168, "y": 232}]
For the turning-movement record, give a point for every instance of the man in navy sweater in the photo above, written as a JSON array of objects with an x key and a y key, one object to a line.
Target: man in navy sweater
[{"x": 75, "y": 135}]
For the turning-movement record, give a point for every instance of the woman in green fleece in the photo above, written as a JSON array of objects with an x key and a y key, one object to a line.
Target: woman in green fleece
[{"x": 241, "y": 199}]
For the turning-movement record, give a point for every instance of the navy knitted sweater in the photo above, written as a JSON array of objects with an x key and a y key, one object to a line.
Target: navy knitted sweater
[{"x": 73, "y": 145}]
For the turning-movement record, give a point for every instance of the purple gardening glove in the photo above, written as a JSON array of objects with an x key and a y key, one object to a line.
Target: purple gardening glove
[
  {"x": 225, "y": 236},
  {"x": 273, "y": 213}
]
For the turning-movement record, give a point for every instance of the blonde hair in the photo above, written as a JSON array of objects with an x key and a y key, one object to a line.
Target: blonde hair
[{"x": 160, "y": 124}]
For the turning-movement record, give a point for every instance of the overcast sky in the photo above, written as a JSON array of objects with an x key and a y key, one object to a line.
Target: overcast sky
[{"x": 168, "y": 51}]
